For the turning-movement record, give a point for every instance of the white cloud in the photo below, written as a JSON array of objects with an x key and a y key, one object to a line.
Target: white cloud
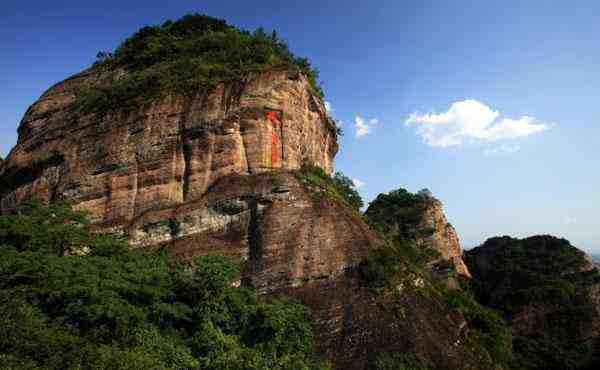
[
  {"x": 328, "y": 107},
  {"x": 570, "y": 220},
  {"x": 358, "y": 184},
  {"x": 364, "y": 127},
  {"x": 470, "y": 120},
  {"x": 504, "y": 149}
]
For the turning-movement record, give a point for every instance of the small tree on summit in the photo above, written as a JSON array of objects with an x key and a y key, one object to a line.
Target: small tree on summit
[
  {"x": 345, "y": 186},
  {"x": 425, "y": 193}
]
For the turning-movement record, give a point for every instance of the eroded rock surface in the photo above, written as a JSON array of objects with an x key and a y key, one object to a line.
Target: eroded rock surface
[
  {"x": 211, "y": 173},
  {"x": 168, "y": 152},
  {"x": 286, "y": 235},
  {"x": 444, "y": 238}
]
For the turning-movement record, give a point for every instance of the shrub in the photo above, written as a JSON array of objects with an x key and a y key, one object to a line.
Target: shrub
[
  {"x": 387, "y": 266},
  {"x": 487, "y": 327},
  {"x": 70, "y": 298},
  {"x": 399, "y": 213},
  {"x": 339, "y": 186},
  {"x": 194, "y": 52},
  {"x": 543, "y": 273}
]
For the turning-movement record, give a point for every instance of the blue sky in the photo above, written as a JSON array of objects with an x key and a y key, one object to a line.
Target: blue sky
[{"x": 504, "y": 95}]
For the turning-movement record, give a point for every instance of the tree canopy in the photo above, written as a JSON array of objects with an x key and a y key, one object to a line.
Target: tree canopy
[
  {"x": 192, "y": 53},
  {"x": 72, "y": 299}
]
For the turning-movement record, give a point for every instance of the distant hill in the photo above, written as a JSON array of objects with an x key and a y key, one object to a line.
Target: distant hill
[
  {"x": 596, "y": 259},
  {"x": 548, "y": 291}
]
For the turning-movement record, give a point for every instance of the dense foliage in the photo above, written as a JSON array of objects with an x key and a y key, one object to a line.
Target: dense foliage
[
  {"x": 338, "y": 186},
  {"x": 401, "y": 361},
  {"x": 543, "y": 274},
  {"x": 388, "y": 266},
  {"x": 400, "y": 261},
  {"x": 71, "y": 299},
  {"x": 191, "y": 53},
  {"x": 399, "y": 212},
  {"x": 486, "y": 327},
  {"x": 398, "y": 215}
]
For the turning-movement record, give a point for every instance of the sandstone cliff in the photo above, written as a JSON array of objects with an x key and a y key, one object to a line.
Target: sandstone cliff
[
  {"x": 212, "y": 173},
  {"x": 170, "y": 151},
  {"x": 443, "y": 238},
  {"x": 420, "y": 218},
  {"x": 214, "y": 170}
]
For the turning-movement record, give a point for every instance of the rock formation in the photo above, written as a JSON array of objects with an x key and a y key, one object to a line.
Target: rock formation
[
  {"x": 549, "y": 292},
  {"x": 420, "y": 218},
  {"x": 444, "y": 238},
  {"x": 212, "y": 172},
  {"x": 120, "y": 165}
]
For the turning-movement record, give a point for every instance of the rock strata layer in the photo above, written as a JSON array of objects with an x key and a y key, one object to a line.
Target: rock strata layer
[
  {"x": 444, "y": 238},
  {"x": 213, "y": 173},
  {"x": 170, "y": 151}
]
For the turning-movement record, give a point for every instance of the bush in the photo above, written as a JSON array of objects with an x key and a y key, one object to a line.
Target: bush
[
  {"x": 399, "y": 213},
  {"x": 545, "y": 274},
  {"x": 70, "y": 298},
  {"x": 487, "y": 327},
  {"x": 195, "y": 52},
  {"x": 339, "y": 186},
  {"x": 386, "y": 267}
]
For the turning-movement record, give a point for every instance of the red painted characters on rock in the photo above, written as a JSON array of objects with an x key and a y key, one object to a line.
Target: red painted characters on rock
[{"x": 273, "y": 117}]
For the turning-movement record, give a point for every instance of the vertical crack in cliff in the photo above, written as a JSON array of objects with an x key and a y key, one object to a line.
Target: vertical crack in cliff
[
  {"x": 244, "y": 148},
  {"x": 281, "y": 140},
  {"x": 187, "y": 170},
  {"x": 185, "y": 146},
  {"x": 136, "y": 189},
  {"x": 255, "y": 245},
  {"x": 233, "y": 95}
]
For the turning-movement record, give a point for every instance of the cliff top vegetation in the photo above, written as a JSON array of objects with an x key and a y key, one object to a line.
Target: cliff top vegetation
[{"x": 192, "y": 53}]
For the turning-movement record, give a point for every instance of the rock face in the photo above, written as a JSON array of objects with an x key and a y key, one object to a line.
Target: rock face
[
  {"x": 171, "y": 151},
  {"x": 354, "y": 325},
  {"x": 444, "y": 238},
  {"x": 419, "y": 218},
  {"x": 212, "y": 173},
  {"x": 287, "y": 235}
]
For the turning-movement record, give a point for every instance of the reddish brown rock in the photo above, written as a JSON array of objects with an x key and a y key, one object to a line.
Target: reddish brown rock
[
  {"x": 354, "y": 325},
  {"x": 287, "y": 235},
  {"x": 169, "y": 151},
  {"x": 444, "y": 238},
  {"x": 211, "y": 173}
]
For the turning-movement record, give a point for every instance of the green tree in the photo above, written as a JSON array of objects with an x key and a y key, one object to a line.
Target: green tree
[
  {"x": 193, "y": 53},
  {"x": 347, "y": 189},
  {"x": 71, "y": 299}
]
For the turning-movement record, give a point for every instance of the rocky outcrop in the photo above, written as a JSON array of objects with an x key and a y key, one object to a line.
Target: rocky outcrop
[
  {"x": 443, "y": 238},
  {"x": 212, "y": 172},
  {"x": 548, "y": 291},
  {"x": 354, "y": 325},
  {"x": 286, "y": 235},
  {"x": 170, "y": 151},
  {"x": 419, "y": 218}
]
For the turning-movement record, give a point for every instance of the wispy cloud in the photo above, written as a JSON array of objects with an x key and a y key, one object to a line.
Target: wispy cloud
[
  {"x": 328, "y": 107},
  {"x": 504, "y": 149},
  {"x": 470, "y": 120},
  {"x": 358, "y": 184},
  {"x": 363, "y": 126}
]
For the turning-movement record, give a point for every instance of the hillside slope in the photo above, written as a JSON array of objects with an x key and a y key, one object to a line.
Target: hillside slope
[
  {"x": 195, "y": 138},
  {"x": 549, "y": 292}
]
